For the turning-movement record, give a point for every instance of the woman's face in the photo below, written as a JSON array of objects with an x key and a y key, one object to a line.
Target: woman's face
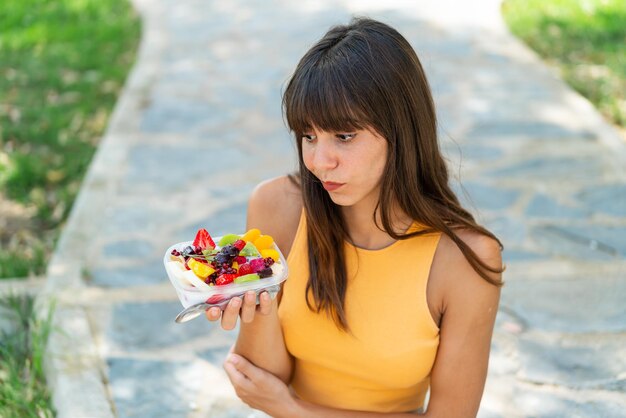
[{"x": 349, "y": 164}]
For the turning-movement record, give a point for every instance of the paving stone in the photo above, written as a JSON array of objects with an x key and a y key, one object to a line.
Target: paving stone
[
  {"x": 545, "y": 169},
  {"x": 542, "y": 206},
  {"x": 145, "y": 326},
  {"x": 545, "y": 404},
  {"x": 581, "y": 242},
  {"x": 459, "y": 155},
  {"x": 128, "y": 249},
  {"x": 218, "y": 355},
  {"x": 512, "y": 255},
  {"x": 167, "y": 389},
  {"x": 610, "y": 198},
  {"x": 154, "y": 395},
  {"x": 132, "y": 218},
  {"x": 181, "y": 116},
  {"x": 530, "y": 129},
  {"x": 577, "y": 365},
  {"x": 169, "y": 168},
  {"x": 576, "y": 305},
  {"x": 510, "y": 230},
  {"x": 230, "y": 220},
  {"x": 484, "y": 413},
  {"x": 144, "y": 273},
  {"x": 483, "y": 196}
]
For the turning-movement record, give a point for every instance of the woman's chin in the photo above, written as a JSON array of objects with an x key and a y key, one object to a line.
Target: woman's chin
[{"x": 341, "y": 200}]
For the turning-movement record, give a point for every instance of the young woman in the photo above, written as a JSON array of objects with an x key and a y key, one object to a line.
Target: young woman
[{"x": 393, "y": 288}]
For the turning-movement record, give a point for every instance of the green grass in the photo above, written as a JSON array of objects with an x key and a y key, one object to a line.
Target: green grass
[
  {"x": 62, "y": 66},
  {"x": 23, "y": 339},
  {"x": 586, "y": 39}
]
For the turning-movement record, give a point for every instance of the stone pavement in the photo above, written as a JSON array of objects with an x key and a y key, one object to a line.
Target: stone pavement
[{"x": 199, "y": 124}]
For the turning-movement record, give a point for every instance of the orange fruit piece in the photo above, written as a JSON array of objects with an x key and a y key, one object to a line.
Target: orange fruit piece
[
  {"x": 200, "y": 269},
  {"x": 263, "y": 242},
  {"x": 270, "y": 252},
  {"x": 252, "y": 235}
]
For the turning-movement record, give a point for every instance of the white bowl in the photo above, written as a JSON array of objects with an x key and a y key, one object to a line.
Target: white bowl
[{"x": 220, "y": 295}]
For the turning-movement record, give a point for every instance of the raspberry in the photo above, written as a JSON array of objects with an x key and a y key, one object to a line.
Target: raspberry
[
  {"x": 240, "y": 259},
  {"x": 245, "y": 269},
  {"x": 269, "y": 261},
  {"x": 239, "y": 244},
  {"x": 257, "y": 264}
]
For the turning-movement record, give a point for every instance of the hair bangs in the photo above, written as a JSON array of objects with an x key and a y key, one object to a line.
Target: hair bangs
[{"x": 321, "y": 98}]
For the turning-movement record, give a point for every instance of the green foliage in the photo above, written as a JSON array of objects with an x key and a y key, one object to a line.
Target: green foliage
[
  {"x": 585, "y": 38},
  {"x": 23, "y": 340},
  {"x": 62, "y": 66}
]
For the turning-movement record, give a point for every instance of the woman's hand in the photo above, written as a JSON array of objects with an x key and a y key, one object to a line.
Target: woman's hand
[
  {"x": 246, "y": 307},
  {"x": 258, "y": 388}
]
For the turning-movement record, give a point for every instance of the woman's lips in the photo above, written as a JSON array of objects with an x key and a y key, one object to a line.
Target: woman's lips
[{"x": 330, "y": 185}]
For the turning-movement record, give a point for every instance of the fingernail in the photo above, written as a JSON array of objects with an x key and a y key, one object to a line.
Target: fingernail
[
  {"x": 236, "y": 302},
  {"x": 233, "y": 358}
]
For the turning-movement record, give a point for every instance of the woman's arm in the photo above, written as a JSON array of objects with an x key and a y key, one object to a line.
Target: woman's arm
[
  {"x": 274, "y": 208},
  {"x": 469, "y": 305},
  {"x": 262, "y": 390}
]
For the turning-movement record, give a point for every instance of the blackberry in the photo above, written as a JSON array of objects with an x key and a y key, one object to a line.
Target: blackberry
[
  {"x": 189, "y": 250},
  {"x": 266, "y": 272},
  {"x": 268, "y": 261},
  {"x": 231, "y": 250},
  {"x": 221, "y": 259}
]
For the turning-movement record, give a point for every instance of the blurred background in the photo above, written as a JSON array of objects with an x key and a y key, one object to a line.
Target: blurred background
[{"x": 180, "y": 104}]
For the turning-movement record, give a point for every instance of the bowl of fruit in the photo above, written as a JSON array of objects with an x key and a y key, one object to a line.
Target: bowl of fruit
[{"x": 206, "y": 274}]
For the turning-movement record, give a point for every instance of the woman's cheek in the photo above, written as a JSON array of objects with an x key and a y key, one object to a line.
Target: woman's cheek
[{"x": 306, "y": 156}]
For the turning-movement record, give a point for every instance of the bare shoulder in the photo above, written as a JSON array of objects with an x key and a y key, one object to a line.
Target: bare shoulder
[
  {"x": 454, "y": 282},
  {"x": 274, "y": 207}
]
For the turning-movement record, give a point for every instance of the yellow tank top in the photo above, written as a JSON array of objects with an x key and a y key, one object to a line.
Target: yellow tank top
[{"x": 385, "y": 364}]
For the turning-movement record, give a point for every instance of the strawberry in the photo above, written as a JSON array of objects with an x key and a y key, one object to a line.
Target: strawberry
[
  {"x": 240, "y": 259},
  {"x": 203, "y": 240},
  {"x": 239, "y": 244},
  {"x": 225, "y": 279},
  {"x": 215, "y": 299},
  {"x": 245, "y": 269}
]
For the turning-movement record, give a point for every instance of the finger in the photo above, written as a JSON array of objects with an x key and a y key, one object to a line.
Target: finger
[
  {"x": 249, "y": 307},
  {"x": 231, "y": 313},
  {"x": 266, "y": 303},
  {"x": 237, "y": 378},
  {"x": 213, "y": 314},
  {"x": 249, "y": 370}
]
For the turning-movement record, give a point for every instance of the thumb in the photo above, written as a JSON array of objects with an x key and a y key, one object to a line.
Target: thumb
[{"x": 242, "y": 364}]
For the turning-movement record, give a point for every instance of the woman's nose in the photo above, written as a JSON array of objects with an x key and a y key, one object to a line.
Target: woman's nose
[{"x": 325, "y": 155}]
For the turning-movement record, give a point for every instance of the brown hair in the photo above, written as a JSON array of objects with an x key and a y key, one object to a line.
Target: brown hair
[{"x": 365, "y": 75}]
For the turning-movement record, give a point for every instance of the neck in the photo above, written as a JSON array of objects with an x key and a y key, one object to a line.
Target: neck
[{"x": 363, "y": 230}]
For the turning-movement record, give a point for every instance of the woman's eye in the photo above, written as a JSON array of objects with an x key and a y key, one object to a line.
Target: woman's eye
[
  {"x": 309, "y": 138},
  {"x": 345, "y": 137}
]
